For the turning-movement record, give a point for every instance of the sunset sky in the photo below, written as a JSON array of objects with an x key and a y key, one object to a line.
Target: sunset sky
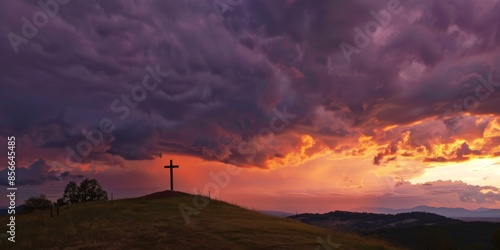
[{"x": 288, "y": 105}]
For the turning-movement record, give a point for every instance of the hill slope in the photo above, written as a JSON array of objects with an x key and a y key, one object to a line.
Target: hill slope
[{"x": 155, "y": 222}]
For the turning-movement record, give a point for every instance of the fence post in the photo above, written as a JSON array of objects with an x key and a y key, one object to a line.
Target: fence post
[
  {"x": 51, "y": 213},
  {"x": 57, "y": 210}
]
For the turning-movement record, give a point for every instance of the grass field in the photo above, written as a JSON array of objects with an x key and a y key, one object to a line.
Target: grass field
[{"x": 156, "y": 223}]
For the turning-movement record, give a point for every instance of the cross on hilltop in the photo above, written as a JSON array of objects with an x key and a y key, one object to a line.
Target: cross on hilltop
[{"x": 171, "y": 174}]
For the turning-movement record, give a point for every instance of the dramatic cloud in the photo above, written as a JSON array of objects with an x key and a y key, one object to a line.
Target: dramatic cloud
[
  {"x": 399, "y": 86},
  {"x": 465, "y": 193},
  {"x": 37, "y": 173}
]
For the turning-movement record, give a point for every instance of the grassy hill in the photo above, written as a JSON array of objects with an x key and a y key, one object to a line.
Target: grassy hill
[{"x": 155, "y": 222}]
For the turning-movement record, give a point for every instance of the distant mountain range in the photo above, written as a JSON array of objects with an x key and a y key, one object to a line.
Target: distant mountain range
[
  {"x": 444, "y": 211},
  {"x": 350, "y": 221},
  {"x": 276, "y": 213},
  {"x": 413, "y": 230}
]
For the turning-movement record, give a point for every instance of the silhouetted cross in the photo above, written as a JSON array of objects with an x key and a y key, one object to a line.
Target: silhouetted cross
[{"x": 172, "y": 174}]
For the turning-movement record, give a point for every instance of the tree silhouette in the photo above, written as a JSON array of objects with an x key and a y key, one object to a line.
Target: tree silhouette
[
  {"x": 89, "y": 190},
  {"x": 71, "y": 194},
  {"x": 37, "y": 203}
]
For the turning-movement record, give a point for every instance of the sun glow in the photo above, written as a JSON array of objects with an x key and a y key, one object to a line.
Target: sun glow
[{"x": 484, "y": 172}]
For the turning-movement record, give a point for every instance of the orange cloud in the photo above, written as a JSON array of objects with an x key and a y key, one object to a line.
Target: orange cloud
[{"x": 308, "y": 150}]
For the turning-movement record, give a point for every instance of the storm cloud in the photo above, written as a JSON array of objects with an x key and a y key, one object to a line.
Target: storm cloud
[
  {"x": 227, "y": 77},
  {"x": 38, "y": 173}
]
